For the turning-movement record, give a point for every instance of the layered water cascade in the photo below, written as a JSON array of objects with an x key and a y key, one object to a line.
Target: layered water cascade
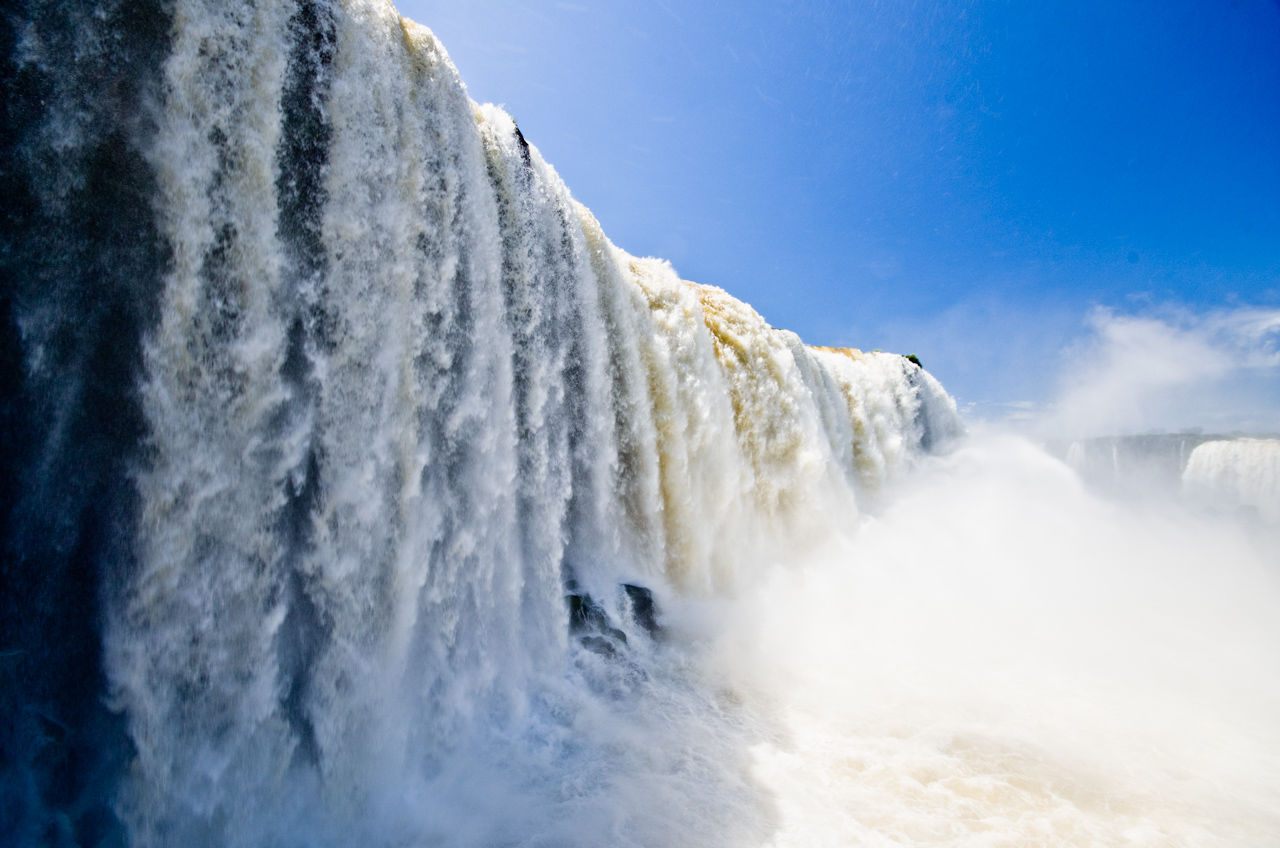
[{"x": 359, "y": 490}]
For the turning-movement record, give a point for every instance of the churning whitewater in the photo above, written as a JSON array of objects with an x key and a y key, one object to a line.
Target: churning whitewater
[{"x": 364, "y": 493}]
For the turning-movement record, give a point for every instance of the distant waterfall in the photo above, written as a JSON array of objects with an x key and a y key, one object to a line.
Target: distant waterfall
[
  {"x": 1131, "y": 466},
  {"x": 321, "y": 395},
  {"x": 1237, "y": 472},
  {"x": 1205, "y": 470}
]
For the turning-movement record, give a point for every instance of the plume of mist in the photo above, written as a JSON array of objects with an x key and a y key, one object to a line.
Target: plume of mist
[{"x": 1001, "y": 656}]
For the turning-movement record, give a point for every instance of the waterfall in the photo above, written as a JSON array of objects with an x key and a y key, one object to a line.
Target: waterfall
[
  {"x": 1130, "y": 466},
  {"x": 1208, "y": 471},
  {"x": 347, "y": 449},
  {"x": 1237, "y": 473}
]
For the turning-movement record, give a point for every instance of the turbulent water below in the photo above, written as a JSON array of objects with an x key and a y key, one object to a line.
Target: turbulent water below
[{"x": 360, "y": 491}]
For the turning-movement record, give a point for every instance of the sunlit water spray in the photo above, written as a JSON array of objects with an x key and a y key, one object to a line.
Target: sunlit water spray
[{"x": 1003, "y": 658}]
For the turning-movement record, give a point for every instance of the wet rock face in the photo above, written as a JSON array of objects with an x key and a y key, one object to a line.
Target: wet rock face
[
  {"x": 642, "y": 608},
  {"x": 587, "y": 617},
  {"x": 599, "y": 631}
]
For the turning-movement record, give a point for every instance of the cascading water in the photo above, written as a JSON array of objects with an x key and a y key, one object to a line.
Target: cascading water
[
  {"x": 349, "y": 457},
  {"x": 1237, "y": 473},
  {"x": 360, "y": 491}
]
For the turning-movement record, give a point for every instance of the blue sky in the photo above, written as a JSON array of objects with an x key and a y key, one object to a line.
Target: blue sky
[{"x": 990, "y": 185}]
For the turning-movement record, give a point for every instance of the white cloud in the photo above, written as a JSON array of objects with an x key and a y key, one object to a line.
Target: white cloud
[{"x": 1219, "y": 371}]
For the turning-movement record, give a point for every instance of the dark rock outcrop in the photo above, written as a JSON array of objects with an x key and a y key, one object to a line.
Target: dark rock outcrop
[
  {"x": 597, "y": 630},
  {"x": 642, "y": 608}
]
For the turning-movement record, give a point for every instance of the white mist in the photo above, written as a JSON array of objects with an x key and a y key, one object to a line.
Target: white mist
[{"x": 1003, "y": 658}]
